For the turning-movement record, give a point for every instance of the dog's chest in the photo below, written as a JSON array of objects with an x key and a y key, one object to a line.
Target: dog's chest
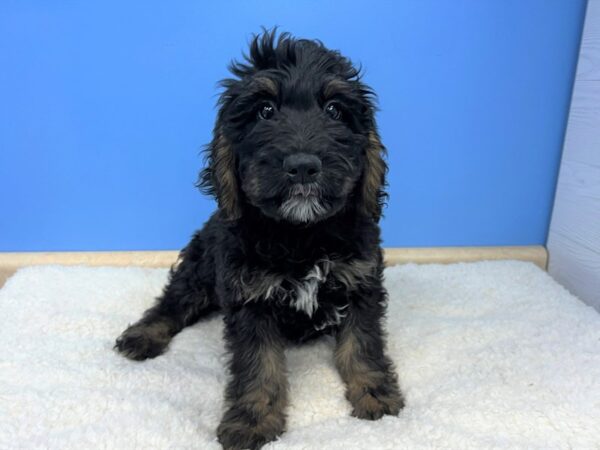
[
  {"x": 310, "y": 306},
  {"x": 305, "y": 295},
  {"x": 317, "y": 297}
]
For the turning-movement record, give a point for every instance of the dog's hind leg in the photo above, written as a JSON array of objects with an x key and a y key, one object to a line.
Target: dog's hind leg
[{"x": 187, "y": 297}]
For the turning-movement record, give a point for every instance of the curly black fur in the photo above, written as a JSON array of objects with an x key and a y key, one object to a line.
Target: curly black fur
[{"x": 293, "y": 252}]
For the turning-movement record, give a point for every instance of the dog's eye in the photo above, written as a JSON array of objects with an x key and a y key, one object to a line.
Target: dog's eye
[
  {"x": 334, "y": 111},
  {"x": 266, "y": 111}
]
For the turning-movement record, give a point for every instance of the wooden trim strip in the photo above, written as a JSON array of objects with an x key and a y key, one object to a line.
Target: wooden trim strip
[
  {"x": 11, "y": 262},
  {"x": 536, "y": 254}
]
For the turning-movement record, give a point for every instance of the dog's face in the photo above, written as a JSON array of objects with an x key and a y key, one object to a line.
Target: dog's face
[{"x": 295, "y": 136}]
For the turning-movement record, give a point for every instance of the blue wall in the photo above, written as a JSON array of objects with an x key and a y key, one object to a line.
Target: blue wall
[{"x": 104, "y": 107}]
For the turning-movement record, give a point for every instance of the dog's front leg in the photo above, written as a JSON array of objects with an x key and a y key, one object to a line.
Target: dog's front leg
[
  {"x": 371, "y": 383},
  {"x": 256, "y": 395}
]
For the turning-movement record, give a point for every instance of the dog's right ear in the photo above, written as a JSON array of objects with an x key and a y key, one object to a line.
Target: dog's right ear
[
  {"x": 219, "y": 178},
  {"x": 372, "y": 195}
]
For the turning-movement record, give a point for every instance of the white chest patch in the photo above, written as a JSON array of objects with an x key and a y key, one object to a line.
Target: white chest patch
[
  {"x": 306, "y": 290},
  {"x": 302, "y": 294}
]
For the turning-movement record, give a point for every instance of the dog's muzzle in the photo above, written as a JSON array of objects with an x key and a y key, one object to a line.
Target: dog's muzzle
[
  {"x": 303, "y": 203},
  {"x": 302, "y": 167}
]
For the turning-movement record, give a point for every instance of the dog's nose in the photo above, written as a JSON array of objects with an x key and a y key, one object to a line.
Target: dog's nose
[{"x": 302, "y": 168}]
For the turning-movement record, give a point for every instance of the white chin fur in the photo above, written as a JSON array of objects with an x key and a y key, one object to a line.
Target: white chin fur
[
  {"x": 302, "y": 209},
  {"x": 303, "y": 205}
]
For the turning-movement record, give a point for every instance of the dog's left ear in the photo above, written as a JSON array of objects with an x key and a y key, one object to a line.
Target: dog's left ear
[
  {"x": 219, "y": 177},
  {"x": 373, "y": 179}
]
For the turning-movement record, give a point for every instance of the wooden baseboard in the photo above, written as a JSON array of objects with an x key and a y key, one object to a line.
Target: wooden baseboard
[
  {"x": 11, "y": 262},
  {"x": 536, "y": 254}
]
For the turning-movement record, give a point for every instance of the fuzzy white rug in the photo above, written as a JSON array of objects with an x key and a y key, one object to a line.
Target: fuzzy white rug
[{"x": 492, "y": 354}]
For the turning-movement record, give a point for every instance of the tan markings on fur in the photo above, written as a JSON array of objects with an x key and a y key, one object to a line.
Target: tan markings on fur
[
  {"x": 265, "y": 399},
  {"x": 353, "y": 369},
  {"x": 346, "y": 349},
  {"x": 360, "y": 379},
  {"x": 224, "y": 172},
  {"x": 240, "y": 428},
  {"x": 156, "y": 331},
  {"x": 371, "y": 407},
  {"x": 373, "y": 176},
  {"x": 272, "y": 365},
  {"x": 369, "y": 402},
  {"x": 151, "y": 334},
  {"x": 335, "y": 86},
  {"x": 267, "y": 85}
]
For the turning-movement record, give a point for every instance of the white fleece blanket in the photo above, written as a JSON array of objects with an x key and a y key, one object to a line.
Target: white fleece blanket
[{"x": 491, "y": 354}]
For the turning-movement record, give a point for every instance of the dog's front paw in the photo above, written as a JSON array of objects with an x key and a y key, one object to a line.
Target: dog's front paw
[
  {"x": 240, "y": 431},
  {"x": 374, "y": 404},
  {"x": 139, "y": 342}
]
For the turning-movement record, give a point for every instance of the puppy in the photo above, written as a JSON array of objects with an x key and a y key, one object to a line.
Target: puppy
[{"x": 293, "y": 250}]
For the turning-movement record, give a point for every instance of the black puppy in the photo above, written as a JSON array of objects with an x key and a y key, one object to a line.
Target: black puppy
[{"x": 293, "y": 252}]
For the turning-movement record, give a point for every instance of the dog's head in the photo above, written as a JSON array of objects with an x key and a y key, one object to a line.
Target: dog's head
[{"x": 295, "y": 135}]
